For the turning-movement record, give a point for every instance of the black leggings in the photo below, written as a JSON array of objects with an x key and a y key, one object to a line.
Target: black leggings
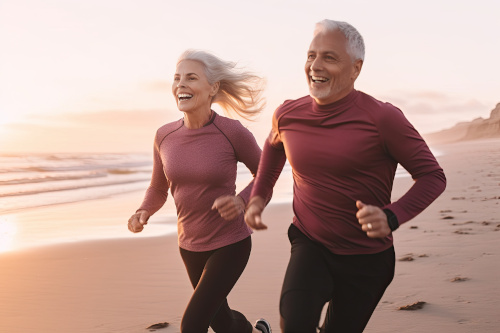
[
  {"x": 213, "y": 274},
  {"x": 351, "y": 284}
]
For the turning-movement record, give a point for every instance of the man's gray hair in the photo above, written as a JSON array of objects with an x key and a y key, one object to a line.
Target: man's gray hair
[{"x": 355, "y": 43}]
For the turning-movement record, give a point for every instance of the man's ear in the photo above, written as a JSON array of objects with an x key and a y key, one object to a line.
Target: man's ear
[{"x": 356, "y": 69}]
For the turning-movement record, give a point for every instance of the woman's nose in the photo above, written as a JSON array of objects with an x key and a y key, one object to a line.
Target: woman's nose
[{"x": 181, "y": 83}]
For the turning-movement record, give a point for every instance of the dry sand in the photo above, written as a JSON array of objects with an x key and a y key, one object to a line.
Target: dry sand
[{"x": 451, "y": 262}]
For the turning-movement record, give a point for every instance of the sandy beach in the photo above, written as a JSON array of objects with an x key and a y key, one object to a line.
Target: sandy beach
[{"x": 448, "y": 257}]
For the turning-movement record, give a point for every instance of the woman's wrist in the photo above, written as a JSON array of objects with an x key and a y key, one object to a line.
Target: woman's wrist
[{"x": 241, "y": 203}]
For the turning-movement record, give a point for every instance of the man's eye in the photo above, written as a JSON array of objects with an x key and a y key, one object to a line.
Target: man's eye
[{"x": 310, "y": 57}]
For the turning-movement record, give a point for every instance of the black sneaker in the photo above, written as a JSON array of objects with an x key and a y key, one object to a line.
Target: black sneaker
[{"x": 263, "y": 325}]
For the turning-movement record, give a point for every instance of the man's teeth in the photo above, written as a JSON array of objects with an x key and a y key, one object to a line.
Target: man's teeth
[
  {"x": 184, "y": 97},
  {"x": 319, "y": 79}
]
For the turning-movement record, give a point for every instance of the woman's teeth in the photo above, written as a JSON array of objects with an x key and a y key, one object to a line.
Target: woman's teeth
[{"x": 184, "y": 97}]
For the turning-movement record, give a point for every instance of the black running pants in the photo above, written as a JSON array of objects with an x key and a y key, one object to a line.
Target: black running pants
[
  {"x": 213, "y": 274},
  {"x": 351, "y": 284}
]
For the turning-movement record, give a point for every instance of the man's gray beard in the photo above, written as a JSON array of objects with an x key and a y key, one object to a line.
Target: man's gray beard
[{"x": 323, "y": 94}]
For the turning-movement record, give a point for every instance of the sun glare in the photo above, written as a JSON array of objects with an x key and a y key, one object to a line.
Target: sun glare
[
  {"x": 8, "y": 231},
  {"x": 6, "y": 118}
]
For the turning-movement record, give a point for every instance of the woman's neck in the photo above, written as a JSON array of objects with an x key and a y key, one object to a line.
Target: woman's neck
[{"x": 197, "y": 120}]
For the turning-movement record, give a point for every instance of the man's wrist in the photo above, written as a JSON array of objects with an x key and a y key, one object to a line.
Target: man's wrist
[
  {"x": 258, "y": 201},
  {"x": 392, "y": 219}
]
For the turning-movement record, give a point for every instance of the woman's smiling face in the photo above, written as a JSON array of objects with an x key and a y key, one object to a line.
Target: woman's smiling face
[{"x": 191, "y": 88}]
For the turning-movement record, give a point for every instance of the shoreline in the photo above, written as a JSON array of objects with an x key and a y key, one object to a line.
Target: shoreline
[
  {"x": 123, "y": 285},
  {"x": 103, "y": 218}
]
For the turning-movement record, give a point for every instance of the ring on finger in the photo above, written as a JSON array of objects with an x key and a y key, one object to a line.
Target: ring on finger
[{"x": 369, "y": 225}]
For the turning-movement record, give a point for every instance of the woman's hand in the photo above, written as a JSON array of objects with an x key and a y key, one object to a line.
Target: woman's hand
[
  {"x": 137, "y": 221},
  {"x": 229, "y": 206}
]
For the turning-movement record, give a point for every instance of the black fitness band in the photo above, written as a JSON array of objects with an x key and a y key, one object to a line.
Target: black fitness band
[{"x": 392, "y": 219}]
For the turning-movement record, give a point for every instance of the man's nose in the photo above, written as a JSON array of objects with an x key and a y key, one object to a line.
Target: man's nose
[{"x": 316, "y": 64}]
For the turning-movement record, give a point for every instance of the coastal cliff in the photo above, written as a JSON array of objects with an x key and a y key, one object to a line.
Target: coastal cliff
[{"x": 478, "y": 128}]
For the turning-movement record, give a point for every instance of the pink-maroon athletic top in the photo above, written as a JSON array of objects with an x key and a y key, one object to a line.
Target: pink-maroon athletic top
[
  {"x": 343, "y": 152},
  {"x": 198, "y": 166}
]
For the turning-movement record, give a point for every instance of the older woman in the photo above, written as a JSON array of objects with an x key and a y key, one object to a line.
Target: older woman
[{"x": 196, "y": 158}]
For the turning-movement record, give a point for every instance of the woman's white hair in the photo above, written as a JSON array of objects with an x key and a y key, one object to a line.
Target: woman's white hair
[
  {"x": 239, "y": 91},
  {"x": 355, "y": 43}
]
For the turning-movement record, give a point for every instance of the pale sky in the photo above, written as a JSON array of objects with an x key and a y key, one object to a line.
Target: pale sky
[{"x": 95, "y": 75}]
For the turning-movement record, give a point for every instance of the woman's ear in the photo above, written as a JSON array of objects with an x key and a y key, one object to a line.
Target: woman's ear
[{"x": 215, "y": 89}]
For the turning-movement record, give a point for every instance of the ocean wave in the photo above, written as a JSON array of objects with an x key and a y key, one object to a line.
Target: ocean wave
[
  {"x": 82, "y": 167},
  {"x": 122, "y": 171},
  {"x": 10, "y": 204},
  {"x": 73, "y": 187},
  {"x": 29, "y": 180},
  {"x": 41, "y": 179},
  {"x": 70, "y": 162},
  {"x": 20, "y": 178}
]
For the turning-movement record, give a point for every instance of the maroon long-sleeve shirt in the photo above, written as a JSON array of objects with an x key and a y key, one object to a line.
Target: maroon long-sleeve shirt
[
  {"x": 341, "y": 153},
  {"x": 198, "y": 166}
]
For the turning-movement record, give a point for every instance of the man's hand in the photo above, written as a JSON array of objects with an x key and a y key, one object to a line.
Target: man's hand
[
  {"x": 254, "y": 212},
  {"x": 137, "y": 221},
  {"x": 229, "y": 206},
  {"x": 373, "y": 220}
]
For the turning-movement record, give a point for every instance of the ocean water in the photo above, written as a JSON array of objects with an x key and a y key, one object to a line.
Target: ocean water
[
  {"x": 34, "y": 183},
  {"x": 34, "y": 180},
  {"x": 28, "y": 181},
  {"x": 31, "y": 181}
]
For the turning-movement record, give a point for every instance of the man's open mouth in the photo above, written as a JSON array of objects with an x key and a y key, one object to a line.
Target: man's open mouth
[{"x": 318, "y": 79}]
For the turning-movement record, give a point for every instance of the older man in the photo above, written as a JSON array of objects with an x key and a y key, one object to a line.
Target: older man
[{"x": 343, "y": 146}]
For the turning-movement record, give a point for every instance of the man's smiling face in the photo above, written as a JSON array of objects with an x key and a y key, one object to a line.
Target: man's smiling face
[{"x": 329, "y": 68}]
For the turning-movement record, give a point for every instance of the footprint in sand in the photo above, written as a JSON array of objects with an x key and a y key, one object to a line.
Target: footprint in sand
[
  {"x": 411, "y": 307},
  {"x": 462, "y": 223},
  {"x": 459, "y": 279},
  {"x": 410, "y": 257},
  {"x": 407, "y": 257},
  {"x": 154, "y": 327},
  {"x": 492, "y": 198},
  {"x": 463, "y": 231}
]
